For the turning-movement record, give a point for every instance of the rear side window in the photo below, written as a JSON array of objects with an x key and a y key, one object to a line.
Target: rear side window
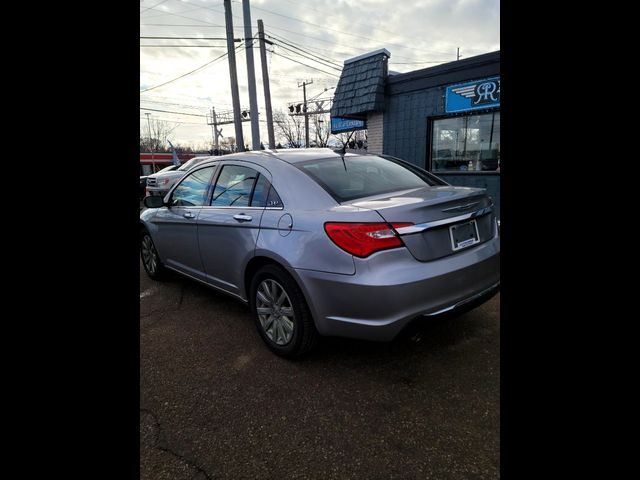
[
  {"x": 234, "y": 186},
  {"x": 264, "y": 195},
  {"x": 350, "y": 177}
]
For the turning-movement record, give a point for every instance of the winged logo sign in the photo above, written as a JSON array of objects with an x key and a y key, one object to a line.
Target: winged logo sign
[{"x": 473, "y": 95}]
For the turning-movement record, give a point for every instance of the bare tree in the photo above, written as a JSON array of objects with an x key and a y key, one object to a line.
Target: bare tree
[
  {"x": 289, "y": 128},
  {"x": 321, "y": 129},
  {"x": 354, "y": 140},
  {"x": 228, "y": 143},
  {"x": 156, "y": 139}
]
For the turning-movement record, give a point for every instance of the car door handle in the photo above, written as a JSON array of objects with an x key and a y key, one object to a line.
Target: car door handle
[
  {"x": 188, "y": 215},
  {"x": 241, "y": 217}
]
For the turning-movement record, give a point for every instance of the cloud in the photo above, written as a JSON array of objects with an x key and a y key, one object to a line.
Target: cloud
[{"x": 334, "y": 30}]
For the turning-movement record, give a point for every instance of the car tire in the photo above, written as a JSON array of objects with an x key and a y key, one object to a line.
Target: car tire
[
  {"x": 289, "y": 331},
  {"x": 150, "y": 258}
]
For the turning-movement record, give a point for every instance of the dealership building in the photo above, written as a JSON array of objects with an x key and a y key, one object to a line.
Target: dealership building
[{"x": 445, "y": 119}]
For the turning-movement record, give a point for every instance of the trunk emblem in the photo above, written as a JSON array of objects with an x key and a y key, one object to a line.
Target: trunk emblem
[{"x": 459, "y": 208}]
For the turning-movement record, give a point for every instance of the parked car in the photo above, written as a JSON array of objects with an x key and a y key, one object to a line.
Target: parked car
[
  {"x": 143, "y": 179},
  {"x": 321, "y": 243},
  {"x": 160, "y": 183}
]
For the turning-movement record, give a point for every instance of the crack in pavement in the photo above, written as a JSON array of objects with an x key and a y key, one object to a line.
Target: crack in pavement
[{"x": 164, "y": 448}]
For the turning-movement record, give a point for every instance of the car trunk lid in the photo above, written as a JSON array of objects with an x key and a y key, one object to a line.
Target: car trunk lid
[{"x": 446, "y": 219}]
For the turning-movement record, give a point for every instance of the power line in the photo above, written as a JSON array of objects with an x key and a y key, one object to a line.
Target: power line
[
  {"x": 317, "y": 39},
  {"x": 184, "y": 25},
  {"x": 191, "y": 18},
  {"x": 351, "y": 20},
  {"x": 183, "y": 46},
  {"x": 164, "y": 13},
  {"x": 309, "y": 58},
  {"x": 189, "y": 73},
  {"x": 186, "y": 38},
  {"x": 324, "y": 27},
  {"x": 168, "y": 111},
  {"x": 156, "y": 5},
  {"x": 308, "y": 47},
  {"x": 335, "y": 63},
  {"x": 309, "y": 66},
  {"x": 179, "y": 123},
  {"x": 200, "y": 107}
]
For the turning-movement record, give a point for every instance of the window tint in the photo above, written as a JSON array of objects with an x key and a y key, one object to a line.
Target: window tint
[
  {"x": 234, "y": 186},
  {"x": 192, "y": 190},
  {"x": 349, "y": 177},
  {"x": 260, "y": 192}
]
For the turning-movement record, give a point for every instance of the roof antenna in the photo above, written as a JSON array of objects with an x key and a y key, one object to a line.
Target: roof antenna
[{"x": 344, "y": 149}]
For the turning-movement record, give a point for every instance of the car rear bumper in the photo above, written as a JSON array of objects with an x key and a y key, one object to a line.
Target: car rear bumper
[{"x": 391, "y": 288}]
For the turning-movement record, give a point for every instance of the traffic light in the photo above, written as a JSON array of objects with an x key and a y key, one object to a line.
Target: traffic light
[
  {"x": 291, "y": 108},
  {"x": 298, "y": 108}
]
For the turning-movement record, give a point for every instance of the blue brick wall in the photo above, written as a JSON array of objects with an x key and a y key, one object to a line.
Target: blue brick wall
[
  {"x": 405, "y": 123},
  {"x": 405, "y": 136}
]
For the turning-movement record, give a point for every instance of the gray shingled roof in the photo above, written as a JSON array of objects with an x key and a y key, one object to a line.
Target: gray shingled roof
[{"x": 361, "y": 86}]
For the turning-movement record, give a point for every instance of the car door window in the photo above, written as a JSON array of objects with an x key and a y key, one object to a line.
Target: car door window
[
  {"x": 192, "y": 190},
  {"x": 234, "y": 186}
]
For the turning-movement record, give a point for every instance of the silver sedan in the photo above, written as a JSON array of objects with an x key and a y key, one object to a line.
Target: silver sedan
[{"x": 323, "y": 243}]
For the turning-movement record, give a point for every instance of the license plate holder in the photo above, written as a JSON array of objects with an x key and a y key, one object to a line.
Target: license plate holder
[{"x": 464, "y": 235}]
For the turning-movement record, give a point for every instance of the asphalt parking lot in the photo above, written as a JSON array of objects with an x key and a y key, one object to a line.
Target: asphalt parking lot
[{"x": 215, "y": 403}]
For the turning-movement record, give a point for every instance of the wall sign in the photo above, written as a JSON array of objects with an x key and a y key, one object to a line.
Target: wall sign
[
  {"x": 339, "y": 124},
  {"x": 473, "y": 95}
]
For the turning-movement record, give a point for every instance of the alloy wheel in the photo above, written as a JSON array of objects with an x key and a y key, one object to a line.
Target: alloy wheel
[
  {"x": 149, "y": 255},
  {"x": 275, "y": 311}
]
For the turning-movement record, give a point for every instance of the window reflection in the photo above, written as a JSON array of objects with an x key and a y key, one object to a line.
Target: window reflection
[
  {"x": 192, "y": 190},
  {"x": 466, "y": 143},
  {"x": 234, "y": 186}
]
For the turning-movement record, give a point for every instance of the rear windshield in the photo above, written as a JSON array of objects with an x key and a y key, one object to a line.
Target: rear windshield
[{"x": 350, "y": 177}]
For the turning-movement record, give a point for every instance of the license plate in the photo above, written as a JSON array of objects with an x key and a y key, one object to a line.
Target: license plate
[{"x": 464, "y": 235}]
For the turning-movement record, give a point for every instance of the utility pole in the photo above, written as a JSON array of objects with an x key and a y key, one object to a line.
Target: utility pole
[
  {"x": 458, "y": 54},
  {"x": 153, "y": 161},
  {"x": 216, "y": 133},
  {"x": 265, "y": 83},
  {"x": 233, "y": 74},
  {"x": 251, "y": 74},
  {"x": 306, "y": 115}
]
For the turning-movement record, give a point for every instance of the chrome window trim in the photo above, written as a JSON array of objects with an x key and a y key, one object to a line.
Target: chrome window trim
[
  {"x": 210, "y": 207},
  {"x": 421, "y": 227}
]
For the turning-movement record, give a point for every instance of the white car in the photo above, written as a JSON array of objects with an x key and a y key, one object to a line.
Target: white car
[{"x": 160, "y": 183}]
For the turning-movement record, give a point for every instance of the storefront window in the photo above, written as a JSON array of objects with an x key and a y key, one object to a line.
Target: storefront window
[{"x": 466, "y": 143}]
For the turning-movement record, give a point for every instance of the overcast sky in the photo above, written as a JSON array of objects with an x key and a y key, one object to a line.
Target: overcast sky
[{"x": 417, "y": 33}]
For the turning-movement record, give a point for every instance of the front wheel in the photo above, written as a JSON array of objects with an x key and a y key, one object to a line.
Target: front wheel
[
  {"x": 281, "y": 313},
  {"x": 150, "y": 257}
]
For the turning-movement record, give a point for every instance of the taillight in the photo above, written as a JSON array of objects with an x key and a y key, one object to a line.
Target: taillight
[{"x": 363, "y": 239}]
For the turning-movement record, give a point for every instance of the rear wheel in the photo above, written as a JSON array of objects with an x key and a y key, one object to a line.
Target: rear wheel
[
  {"x": 150, "y": 257},
  {"x": 281, "y": 313}
]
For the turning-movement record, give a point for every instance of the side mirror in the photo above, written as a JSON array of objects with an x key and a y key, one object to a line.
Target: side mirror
[{"x": 153, "y": 201}]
